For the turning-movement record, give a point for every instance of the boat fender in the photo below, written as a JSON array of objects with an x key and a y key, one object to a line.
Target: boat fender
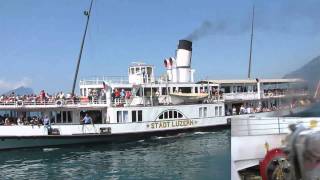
[
  {"x": 53, "y": 131},
  {"x": 59, "y": 102},
  {"x": 20, "y": 103},
  {"x": 105, "y": 130},
  {"x": 228, "y": 121}
]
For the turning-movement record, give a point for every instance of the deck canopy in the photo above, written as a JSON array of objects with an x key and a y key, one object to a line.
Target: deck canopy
[{"x": 250, "y": 81}]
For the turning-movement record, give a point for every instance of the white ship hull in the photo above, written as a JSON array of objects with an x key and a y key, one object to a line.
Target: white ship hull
[{"x": 12, "y": 137}]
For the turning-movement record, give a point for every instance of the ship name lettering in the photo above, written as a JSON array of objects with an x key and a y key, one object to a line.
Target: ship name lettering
[{"x": 171, "y": 124}]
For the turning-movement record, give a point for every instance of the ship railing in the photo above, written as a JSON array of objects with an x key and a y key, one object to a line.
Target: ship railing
[
  {"x": 59, "y": 102},
  {"x": 245, "y": 96},
  {"x": 268, "y": 126},
  {"x": 98, "y": 80},
  {"x": 285, "y": 94}
]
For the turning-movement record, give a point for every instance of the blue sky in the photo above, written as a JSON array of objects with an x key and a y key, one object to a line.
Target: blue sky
[{"x": 40, "y": 40}]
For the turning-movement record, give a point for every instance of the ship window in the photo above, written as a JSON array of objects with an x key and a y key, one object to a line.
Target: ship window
[
  {"x": 245, "y": 89},
  {"x": 175, "y": 114},
  {"x": 220, "y": 110},
  {"x": 137, "y": 70},
  {"x": 216, "y": 111},
  {"x": 185, "y": 89},
  {"x": 164, "y": 91},
  {"x": 132, "y": 70},
  {"x": 200, "y": 112},
  {"x": 134, "y": 116},
  {"x": 139, "y": 116},
  {"x": 122, "y": 116},
  {"x": 119, "y": 116},
  {"x": 125, "y": 116},
  {"x": 149, "y": 70},
  {"x": 58, "y": 117},
  {"x": 84, "y": 92},
  {"x": 64, "y": 116},
  {"x": 205, "y": 112},
  {"x": 170, "y": 114},
  {"x": 227, "y": 89},
  {"x": 69, "y": 117},
  {"x": 166, "y": 115}
]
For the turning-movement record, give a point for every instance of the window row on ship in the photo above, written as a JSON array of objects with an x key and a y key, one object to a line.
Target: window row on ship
[
  {"x": 128, "y": 116},
  {"x": 162, "y": 89}
]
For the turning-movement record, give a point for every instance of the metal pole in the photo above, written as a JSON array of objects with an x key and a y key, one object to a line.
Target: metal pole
[
  {"x": 86, "y": 13},
  {"x": 250, "y": 55}
]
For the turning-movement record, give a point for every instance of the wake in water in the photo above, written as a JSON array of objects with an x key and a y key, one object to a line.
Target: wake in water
[
  {"x": 49, "y": 149},
  {"x": 202, "y": 132},
  {"x": 168, "y": 137}
]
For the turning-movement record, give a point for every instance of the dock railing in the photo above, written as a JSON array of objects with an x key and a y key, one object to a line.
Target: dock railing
[{"x": 267, "y": 126}]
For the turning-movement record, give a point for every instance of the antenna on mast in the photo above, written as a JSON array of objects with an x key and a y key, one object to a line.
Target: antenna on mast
[
  {"x": 87, "y": 14},
  {"x": 250, "y": 55}
]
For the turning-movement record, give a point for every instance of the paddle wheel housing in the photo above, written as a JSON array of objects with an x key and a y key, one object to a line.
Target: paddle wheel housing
[{"x": 274, "y": 165}]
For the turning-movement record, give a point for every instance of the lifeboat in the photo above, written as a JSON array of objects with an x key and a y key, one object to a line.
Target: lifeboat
[{"x": 178, "y": 98}]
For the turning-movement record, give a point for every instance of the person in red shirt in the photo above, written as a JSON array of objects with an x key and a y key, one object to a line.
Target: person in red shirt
[{"x": 117, "y": 93}]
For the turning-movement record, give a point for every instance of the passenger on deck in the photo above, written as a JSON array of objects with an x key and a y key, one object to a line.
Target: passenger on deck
[
  {"x": 19, "y": 122},
  {"x": 234, "y": 110},
  {"x": 248, "y": 110},
  {"x": 242, "y": 110},
  {"x": 128, "y": 94},
  {"x": 122, "y": 93},
  {"x": 157, "y": 93},
  {"x": 113, "y": 95},
  {"x": 42, "y": 96},
  {"x": 7, "y": 122},
  {"x": 116, "y": 93},
  {"x": 46, "y": 121},
  {"x": 90, "y": 96},
  {"x": 87, "y": 119}
]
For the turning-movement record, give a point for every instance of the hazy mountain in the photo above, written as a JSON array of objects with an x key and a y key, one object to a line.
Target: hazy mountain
[
  {"x": 309, "y": 72},
  {"x": 20, "y": 91}
]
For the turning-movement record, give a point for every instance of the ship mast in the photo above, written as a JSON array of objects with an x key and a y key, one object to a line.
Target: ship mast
[
  {"x": 87, "y": 14},
  {"x": 250, "y": 55}
]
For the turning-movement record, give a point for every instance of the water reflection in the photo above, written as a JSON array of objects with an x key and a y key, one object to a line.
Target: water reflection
[{"x": 185, "y": 156}]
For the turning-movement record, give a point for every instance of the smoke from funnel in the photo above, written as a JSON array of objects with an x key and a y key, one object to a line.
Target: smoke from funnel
[{"x": 205, "y": 29}]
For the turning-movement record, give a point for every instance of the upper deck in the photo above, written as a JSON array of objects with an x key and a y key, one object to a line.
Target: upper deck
[{"x": 256, "y": 89}]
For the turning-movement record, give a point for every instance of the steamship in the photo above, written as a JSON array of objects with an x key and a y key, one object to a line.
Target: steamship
[
  {"x": 142, "y": 105},
  {"x": 170, "y": 104}
]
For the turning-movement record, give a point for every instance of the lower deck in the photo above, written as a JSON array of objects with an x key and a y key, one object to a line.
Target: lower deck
[{"x": 37, "y": 136}]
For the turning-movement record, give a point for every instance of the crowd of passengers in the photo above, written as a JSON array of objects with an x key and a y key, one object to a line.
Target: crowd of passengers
[
  {"x": 251, "y": 109},
  {"x": 278, "y": 92},
  {"x": 34, "y": 120},
  {"x": 10, "y": 121},
  {"x": 42, "y": 97},
  {"x": 117, "y": 94}
]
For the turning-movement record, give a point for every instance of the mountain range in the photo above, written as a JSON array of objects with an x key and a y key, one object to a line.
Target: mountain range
[
  {"x": 309, "y": 72},
  {"x": 20, "y": 91}
]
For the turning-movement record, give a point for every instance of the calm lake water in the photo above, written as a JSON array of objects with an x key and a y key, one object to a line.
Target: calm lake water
[{"x": 199, "y": 155}]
